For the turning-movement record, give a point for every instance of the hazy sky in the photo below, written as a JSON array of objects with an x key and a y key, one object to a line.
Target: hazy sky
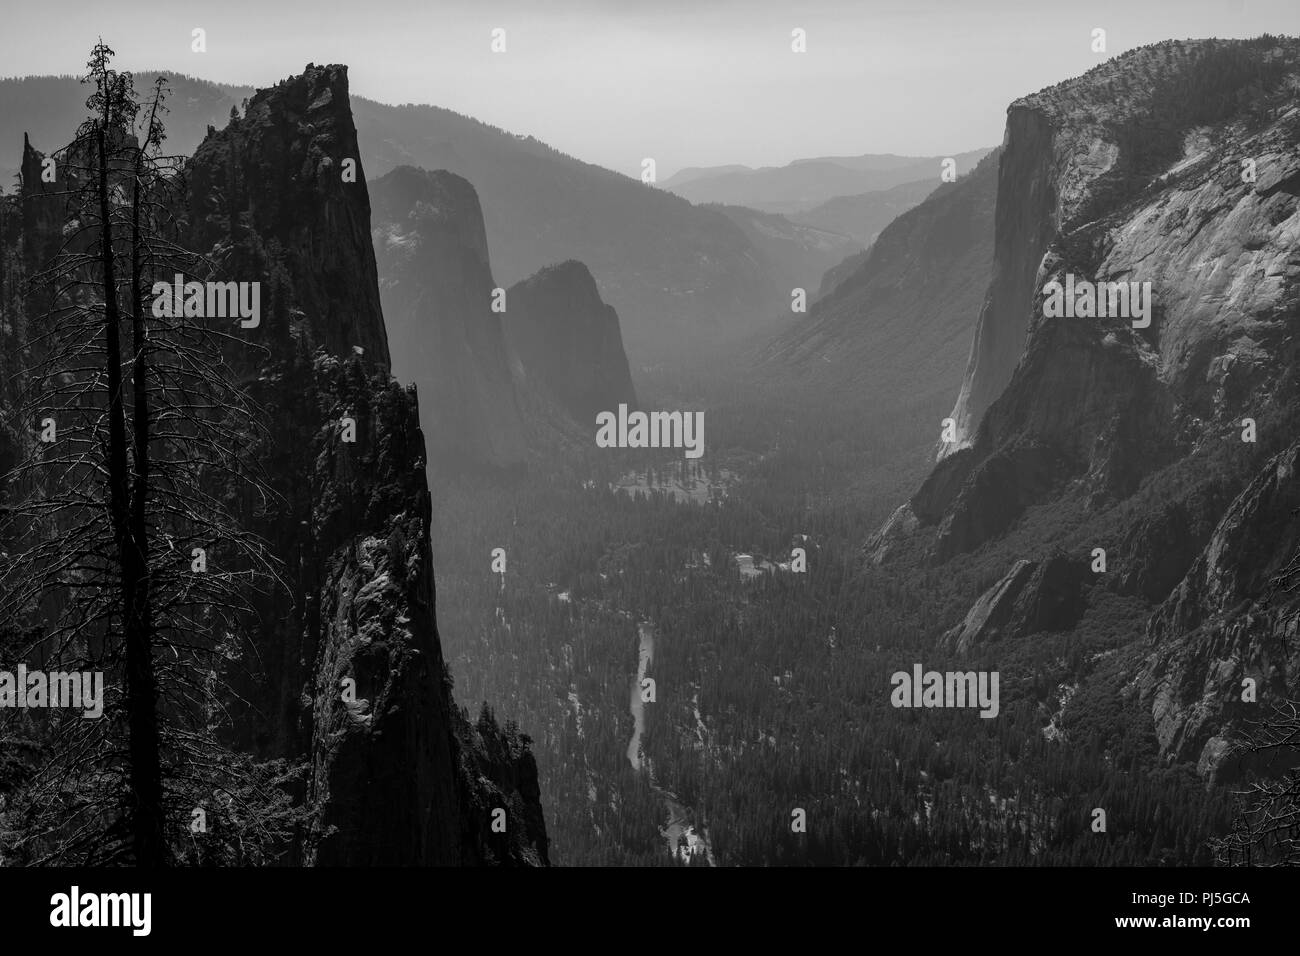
[{"x": 689, "y": 82}]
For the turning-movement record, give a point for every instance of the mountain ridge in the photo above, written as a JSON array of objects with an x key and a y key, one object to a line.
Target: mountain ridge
[
  {"x": 680, "y": 278},
  {"x": 1155, "y": 442},
  {"x": 803, "y": 184}
]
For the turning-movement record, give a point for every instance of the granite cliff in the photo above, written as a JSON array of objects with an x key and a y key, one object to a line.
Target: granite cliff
[
  {"x": 1166, "y": 443},
  {"x": 566, "y": 342},
  {"x": 493, "y": 383},
  {"x": 395, "y": 773},
  {"x": 437, "y": 291}
]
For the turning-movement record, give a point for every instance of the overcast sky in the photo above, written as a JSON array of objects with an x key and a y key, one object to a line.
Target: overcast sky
[{"x": 689, "y": 82}]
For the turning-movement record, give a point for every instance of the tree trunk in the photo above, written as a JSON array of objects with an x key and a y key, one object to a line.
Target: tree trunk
[{"x": 146, "y": 810}]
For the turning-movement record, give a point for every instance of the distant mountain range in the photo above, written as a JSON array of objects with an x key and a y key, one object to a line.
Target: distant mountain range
[
  {"x": 679, "y": 276},
  {"x": 806, "y": 183},
  {"x": 862, "y": 217},
  {"x": 799, "y": 253}
]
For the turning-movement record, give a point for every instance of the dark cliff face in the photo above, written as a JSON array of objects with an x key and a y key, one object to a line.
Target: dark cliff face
[
  {"x": 382, "y": 764},
  {"x": 12, "y": 322},
  {"x": 567, "y": 341},
  {"x": 1131, "y": 438},
  {"x": 271, "y": 185},
  {"x": 437, "y": 291},
  {"x": 396, "y": 774},
  {"x": 31, "y": 230},
  {"x": 1225, "y": 623},
  {"x": 41, "y": 212},
  {"x": 1033, "y": 597}
]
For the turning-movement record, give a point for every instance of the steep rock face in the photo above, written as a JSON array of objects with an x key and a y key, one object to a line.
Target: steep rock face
[
  {"x": 396, "y": 776},
  {"x": 383, "y": 766},
  {"x": 1055, "y": 597},
  {"x": 1224, "y": 623},
  {"x": 1152, "y": 142},
  {"x": 41, "y": 211},
  {"x": 1033, "y": 596},
  {"x": 897, "y": 528},
  {"x": 1155, "y": 436},
  {"x": 567, "y": 341},
  {"x": 992, "y": 611},
  {"x": 273, "y": 185},
  {"x": 994, "y": 494},
  {"x": 497, "y": 771},
  {"x": 437, "y": 292},
  {"x": 1021, "y": 232},
  {"x": 1160, "y": 546},
  {"x": 1087, "y": 189},
  {"x": 942, "y": 486},
  {"x": 12, "y": 325},
  {"x": 32, "y": 233}
]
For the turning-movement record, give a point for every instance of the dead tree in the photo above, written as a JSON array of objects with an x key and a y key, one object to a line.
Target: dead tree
[
  {"x": 1266, "y": 828},
  {"x": 124, "y": 554}
]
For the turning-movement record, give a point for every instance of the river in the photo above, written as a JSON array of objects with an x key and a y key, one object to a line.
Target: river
[
  {"x": 679, "y": 816},
  {"x": 646, "y": 633}
]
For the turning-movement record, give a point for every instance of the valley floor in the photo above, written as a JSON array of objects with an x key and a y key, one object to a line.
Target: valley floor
[{"x": 771, "y": 687}]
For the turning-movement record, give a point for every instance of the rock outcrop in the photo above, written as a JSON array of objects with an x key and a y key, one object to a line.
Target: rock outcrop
[
  {"x": 437, "y": 291},
  {"x": 272, "y": 185},
  {"x": 1032, "y": 597},
  {"x": 1088, "y": 189},
  {"x": 1159, "y": 548},
  {"x": 396, "y": 774},
  {"x": 991, "y": 612},
  {"x": 1166, "y": 434},
  {"x": 1226, "y": 623},
  {"x": 567, "y": 342}
]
